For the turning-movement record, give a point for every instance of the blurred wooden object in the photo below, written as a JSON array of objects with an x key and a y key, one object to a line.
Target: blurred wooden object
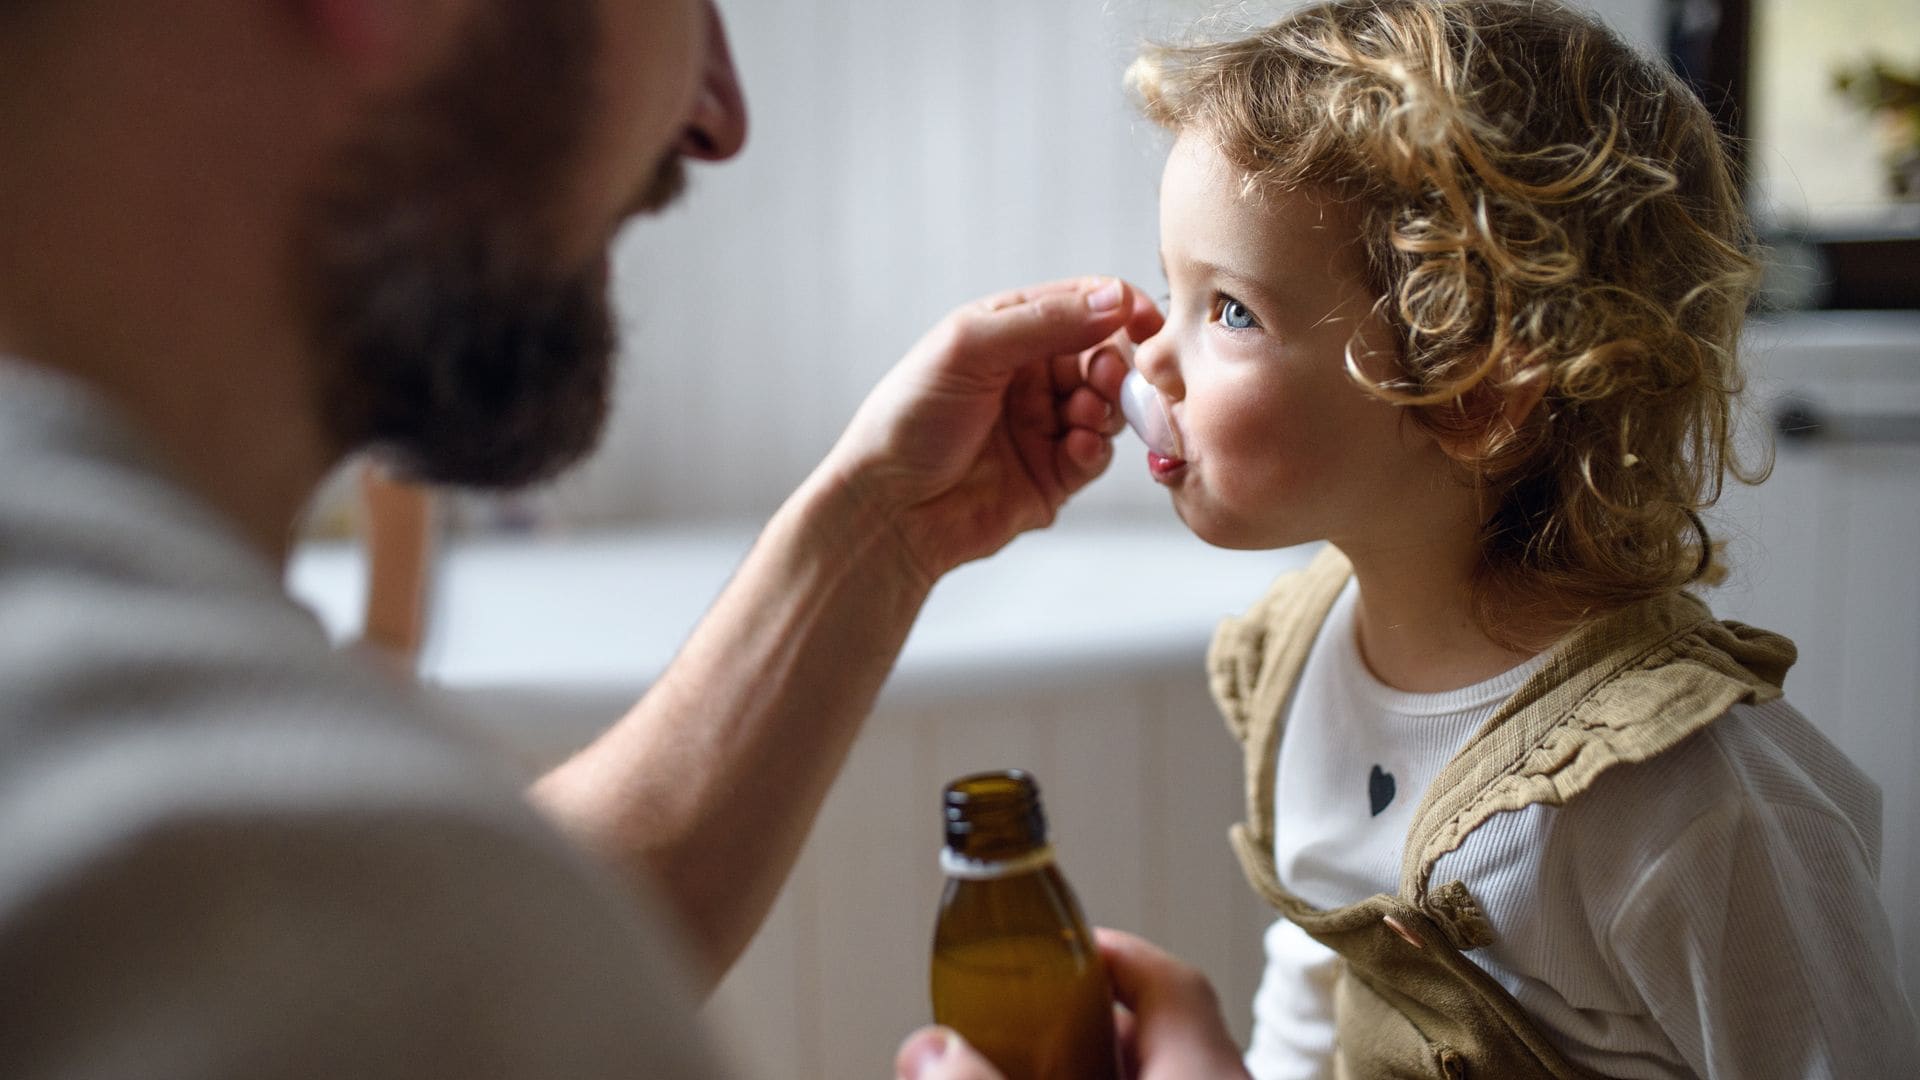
[{"x": 399, "y": 535}]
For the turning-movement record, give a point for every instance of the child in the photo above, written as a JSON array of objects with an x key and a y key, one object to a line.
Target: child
[{"x": 1456, "y": 287}]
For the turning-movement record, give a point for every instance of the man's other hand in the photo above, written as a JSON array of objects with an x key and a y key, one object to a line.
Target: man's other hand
[
  {"x": 1171, "y": 1027},
  {"x": 937, "y": 1053},
  {"x": 1168, "y": 1017}
]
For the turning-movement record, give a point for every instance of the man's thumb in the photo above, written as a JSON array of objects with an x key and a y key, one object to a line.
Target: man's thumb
[{"x": 937, "y": 1053}]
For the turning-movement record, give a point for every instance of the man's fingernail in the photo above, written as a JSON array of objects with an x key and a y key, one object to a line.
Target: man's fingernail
[
  {"x": 1106, "y": 297},
  {"x": 925, "y": 1050},
  {"x": 1095, "y": 456}
]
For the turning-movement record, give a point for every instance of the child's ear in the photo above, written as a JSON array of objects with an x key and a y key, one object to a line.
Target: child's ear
[{"x": 1491, "y": 413}]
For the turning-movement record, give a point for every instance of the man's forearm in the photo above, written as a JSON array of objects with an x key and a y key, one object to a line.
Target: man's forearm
[{"x": 706, "y": 790}]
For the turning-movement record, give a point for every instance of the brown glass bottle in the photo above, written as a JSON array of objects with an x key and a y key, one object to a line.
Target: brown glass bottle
[{"x": 1015, "y": 970}]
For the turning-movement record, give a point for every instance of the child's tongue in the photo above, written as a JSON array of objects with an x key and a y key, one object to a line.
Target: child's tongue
[{"x": 1147, "y": 414}]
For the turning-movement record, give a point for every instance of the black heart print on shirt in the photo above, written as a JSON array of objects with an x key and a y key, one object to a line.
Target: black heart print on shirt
[{"x": 1379, "y": 789}]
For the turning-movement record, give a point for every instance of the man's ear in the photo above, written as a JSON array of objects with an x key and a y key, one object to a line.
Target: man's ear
[{"x": 383, "y": 41}]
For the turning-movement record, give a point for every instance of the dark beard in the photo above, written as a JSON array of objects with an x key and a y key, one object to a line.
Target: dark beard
[
  {"x": 460, "y": 367},
  {"x": 454, "y": 345}
]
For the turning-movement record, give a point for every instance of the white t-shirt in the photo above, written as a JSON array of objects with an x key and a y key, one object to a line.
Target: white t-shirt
[
  {"x": 228, "y": 851},
  {"x": 1711, "y": 912}
]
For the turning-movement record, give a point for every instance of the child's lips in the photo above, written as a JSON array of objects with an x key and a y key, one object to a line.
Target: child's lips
[{"x": 1162, "y": 467}]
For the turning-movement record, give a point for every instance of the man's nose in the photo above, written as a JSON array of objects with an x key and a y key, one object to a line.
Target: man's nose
[{"x": 717, "y": 127}]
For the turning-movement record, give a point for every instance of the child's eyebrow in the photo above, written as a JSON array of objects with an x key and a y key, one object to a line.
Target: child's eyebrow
[
  {"x": 1242, "y": 283},
  {"x": 1231, "y": 275}
]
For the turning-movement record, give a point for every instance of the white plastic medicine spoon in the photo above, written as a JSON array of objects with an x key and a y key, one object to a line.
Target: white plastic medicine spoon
[{"x": 1147, "y": 414}]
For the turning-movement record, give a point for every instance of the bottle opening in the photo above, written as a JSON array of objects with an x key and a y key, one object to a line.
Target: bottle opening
[{"x": 995, "y": 816}]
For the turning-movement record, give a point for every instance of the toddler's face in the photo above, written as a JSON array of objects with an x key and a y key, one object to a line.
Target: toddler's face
[{"x": 1281, "y": 445}]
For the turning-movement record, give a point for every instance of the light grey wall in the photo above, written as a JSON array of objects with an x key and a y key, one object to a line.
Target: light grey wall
[{"x": 905, "y": 156}]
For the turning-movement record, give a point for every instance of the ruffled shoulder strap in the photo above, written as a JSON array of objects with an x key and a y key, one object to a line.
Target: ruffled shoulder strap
[
  {"x": 1252, "y": 666},
  {"x": 1619, "y": 690}
]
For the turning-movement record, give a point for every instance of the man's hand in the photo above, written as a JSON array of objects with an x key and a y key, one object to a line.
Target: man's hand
[
  {"x": 994, "y": 419},
  {"x": 937, "y": 1053},
  {"x": 1168, "y": 1017},
  {"x": 1170, "y": 1023}
]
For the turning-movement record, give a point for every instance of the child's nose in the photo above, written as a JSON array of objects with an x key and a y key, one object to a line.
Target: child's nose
[{"x": 1158, "y": 360}]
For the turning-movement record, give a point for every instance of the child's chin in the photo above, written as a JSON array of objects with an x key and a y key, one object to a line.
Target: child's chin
[{"x": 1235, "y": 535}]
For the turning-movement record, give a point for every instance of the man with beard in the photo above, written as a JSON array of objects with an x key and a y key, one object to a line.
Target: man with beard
[{"x": 241, "y": 240}]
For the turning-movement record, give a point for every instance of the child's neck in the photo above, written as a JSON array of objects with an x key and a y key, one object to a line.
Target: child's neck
[{"x": 1415, "y": 623}]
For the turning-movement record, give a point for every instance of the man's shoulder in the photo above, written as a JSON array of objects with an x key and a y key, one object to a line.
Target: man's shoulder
[
  {"x": 133, "y": 618},
  {"x": 156, "y": 681},
  {"x": 111, "y": 735},
  {"x": 367, "y": 895},
  {"x": 245, "y": 825}
]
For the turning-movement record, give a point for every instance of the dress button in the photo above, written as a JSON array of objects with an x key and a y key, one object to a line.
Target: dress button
[{"x": 1397, "y": 927}]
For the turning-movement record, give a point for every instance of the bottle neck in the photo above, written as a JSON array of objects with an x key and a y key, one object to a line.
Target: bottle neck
[
  {"x": 994, "y": 817},
  {"x": 956, "y": 865}
]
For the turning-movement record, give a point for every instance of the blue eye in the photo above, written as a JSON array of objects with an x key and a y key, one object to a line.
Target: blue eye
[{"x": 1234, "y": 315}]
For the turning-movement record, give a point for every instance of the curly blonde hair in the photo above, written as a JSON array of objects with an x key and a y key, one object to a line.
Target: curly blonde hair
[{"x": 1545, "y": 213}]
